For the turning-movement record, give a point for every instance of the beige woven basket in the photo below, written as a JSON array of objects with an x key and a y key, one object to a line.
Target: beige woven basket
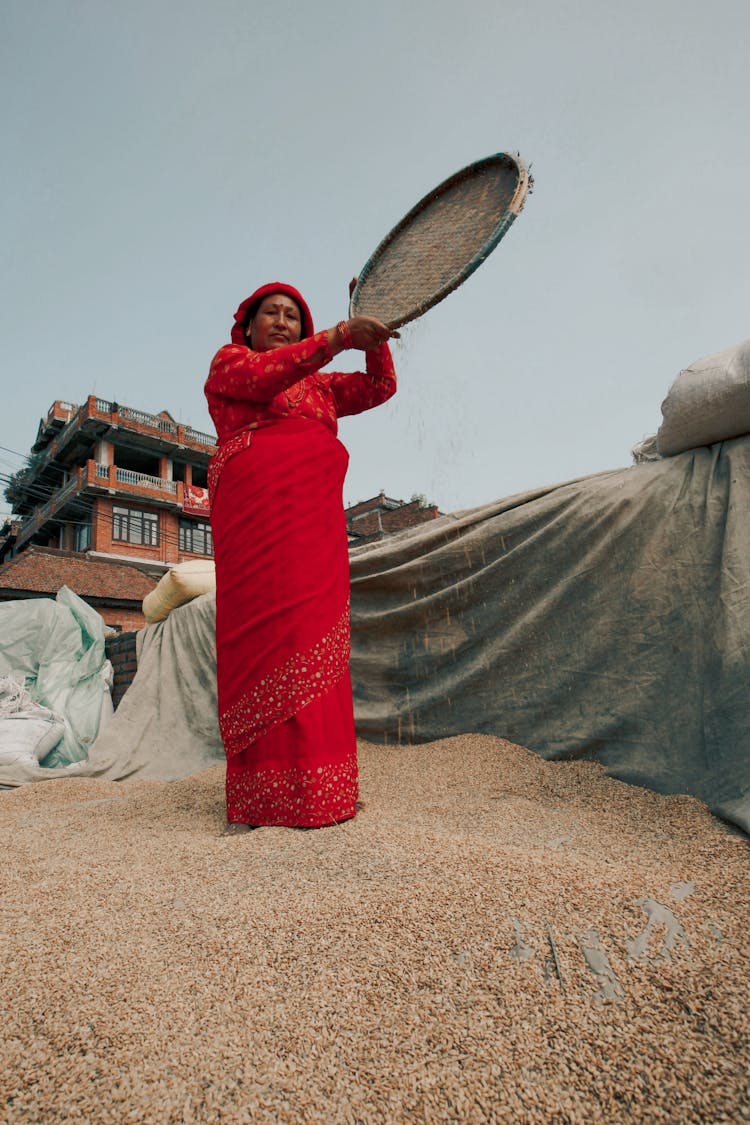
[{"x": 442, "y": 240}]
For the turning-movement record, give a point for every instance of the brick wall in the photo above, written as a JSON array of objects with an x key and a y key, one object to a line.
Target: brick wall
[
  {"x": 354, "y": 510},
  {"x": 409, "y": 515},
  {"x": 101, "y": 532},
  {"x": 121, "y": 651},
  {"x": 376, "y": 522},
  {"x": 125, "y": 619},
  {"x": 167, "y": 550},
  {"x": 101, "y": 526}
]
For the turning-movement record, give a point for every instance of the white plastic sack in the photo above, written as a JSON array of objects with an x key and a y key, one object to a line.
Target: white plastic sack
[
  {"x": 28, "y": 731},
  {"x": 58, "y": 648},
  {"x": 709, "y": 401},
  {"x": 107, "y": 677},
  {"x": 29, "y": 736}
]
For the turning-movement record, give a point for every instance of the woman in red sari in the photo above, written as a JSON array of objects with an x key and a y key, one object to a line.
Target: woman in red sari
[{"x": 282, "y": 568}]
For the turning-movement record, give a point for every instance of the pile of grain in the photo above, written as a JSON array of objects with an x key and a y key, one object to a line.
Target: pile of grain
[{"x": 494, "y": 938}]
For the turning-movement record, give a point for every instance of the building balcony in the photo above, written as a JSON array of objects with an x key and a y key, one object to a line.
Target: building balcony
[
  {"x": 124, "y": 484},
  {"x": 98, "y": 419},
  {"x": 118, "y": 480}
]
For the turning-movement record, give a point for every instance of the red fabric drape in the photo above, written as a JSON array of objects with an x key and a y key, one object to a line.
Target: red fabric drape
[{"x": 282, "y": 626}]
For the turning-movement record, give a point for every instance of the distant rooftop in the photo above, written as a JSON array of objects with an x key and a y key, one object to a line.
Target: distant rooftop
[{"x": 43, "y": 570}]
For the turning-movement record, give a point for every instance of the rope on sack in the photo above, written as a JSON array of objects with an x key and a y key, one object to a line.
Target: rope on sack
[{"x": 14, "y": 696}]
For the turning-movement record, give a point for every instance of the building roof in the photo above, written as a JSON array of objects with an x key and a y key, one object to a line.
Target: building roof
[
  {"x": 381, "y": 516},
  {"x": 43, "y": 570}
]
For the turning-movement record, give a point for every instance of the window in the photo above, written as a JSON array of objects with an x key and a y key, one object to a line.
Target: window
[
  {"x": 133, "y": 526},
  {"x": 196, "y": 538},
  {"x": 83, "y": 536}
]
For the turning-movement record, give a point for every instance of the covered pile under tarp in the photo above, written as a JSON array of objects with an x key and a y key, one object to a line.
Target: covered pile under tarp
[
  {"x": 166, "y": 726},
  {"x": 606, "y": 618}
]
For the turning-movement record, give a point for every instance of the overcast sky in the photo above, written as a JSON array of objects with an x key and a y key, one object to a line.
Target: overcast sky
[{"x": 162, "y": 159}]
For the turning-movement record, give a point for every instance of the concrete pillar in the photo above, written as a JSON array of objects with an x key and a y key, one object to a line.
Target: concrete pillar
[{"x": 104, "y": 453}]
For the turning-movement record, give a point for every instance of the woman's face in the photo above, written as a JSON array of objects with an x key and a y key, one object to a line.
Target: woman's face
[{"x": 276, "y": 323}]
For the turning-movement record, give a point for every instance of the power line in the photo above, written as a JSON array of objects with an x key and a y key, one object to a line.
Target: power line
[
  {"x": 38, "y": 490},
  {"x": 167, "y": 538},
  {"x": 41, "y": 492},
  {"x": 15, "y": 452}
]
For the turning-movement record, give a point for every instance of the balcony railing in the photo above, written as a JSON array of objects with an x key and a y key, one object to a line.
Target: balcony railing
[
  {"x": 173, "y": 433},
  {"x": 200, "y": 438},
  {"x": 70, "y": 486},
  {"x": 33, "y": 520},
  {"x": 107, "y": 476},
  {"x": 151, "y": 420},
  {"x": 127, "y": 476},
  {"x": 39, "y": 515}
]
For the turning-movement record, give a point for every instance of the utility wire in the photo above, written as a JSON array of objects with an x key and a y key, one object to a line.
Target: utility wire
[
  {"x": 85, "y": 506},
  {"x": 41, "y": 491},
  {"x": 166, "y": 538}
]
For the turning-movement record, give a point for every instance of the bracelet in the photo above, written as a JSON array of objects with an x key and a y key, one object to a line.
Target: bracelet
[{"x": 344, "y": 333}]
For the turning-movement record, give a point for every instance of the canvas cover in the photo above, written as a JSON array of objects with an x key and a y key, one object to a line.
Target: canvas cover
[{"x": 606, "y": 618}]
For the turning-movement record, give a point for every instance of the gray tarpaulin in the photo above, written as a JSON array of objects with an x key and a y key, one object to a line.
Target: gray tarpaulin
[{"x": 606, "y": 618}]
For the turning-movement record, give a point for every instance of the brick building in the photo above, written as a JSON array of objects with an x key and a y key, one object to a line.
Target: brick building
[
  {"x": 116, "y": 483},
  {"x": 115, "y": 589},
  {"x": 380, "y": 516}
]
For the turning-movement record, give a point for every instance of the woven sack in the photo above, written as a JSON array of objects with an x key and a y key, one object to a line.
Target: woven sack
[
  {"x": 28, "y": 736},
  {"x": 709, "y": 401},
  {"x": 181, "y": 584}
]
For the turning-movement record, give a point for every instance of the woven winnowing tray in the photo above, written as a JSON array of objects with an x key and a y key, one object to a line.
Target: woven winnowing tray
[{"x": 442, "y": 240}]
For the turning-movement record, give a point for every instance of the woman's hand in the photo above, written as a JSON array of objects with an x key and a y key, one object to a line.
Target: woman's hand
[
  {"x": 366, "y": 332},
  {"x": 362, "y": 332}
]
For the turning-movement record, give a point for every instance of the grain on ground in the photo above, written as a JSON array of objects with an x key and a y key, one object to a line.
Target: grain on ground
[{"x": 494, "y": 938}]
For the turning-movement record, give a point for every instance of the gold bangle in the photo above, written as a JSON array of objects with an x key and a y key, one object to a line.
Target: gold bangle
[{"x": 344, "y": 333}]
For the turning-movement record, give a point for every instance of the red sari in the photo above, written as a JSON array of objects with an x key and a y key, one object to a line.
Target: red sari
[{"x": 282, "y": 576}]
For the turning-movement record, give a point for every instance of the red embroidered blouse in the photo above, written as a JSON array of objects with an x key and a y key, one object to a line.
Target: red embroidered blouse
[{"x": 247, "y": 389}]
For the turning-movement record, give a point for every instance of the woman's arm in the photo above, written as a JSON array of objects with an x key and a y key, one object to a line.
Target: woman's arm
[
  {"x": 239, "y": 373},
  {"x": 355, "y": 391}
]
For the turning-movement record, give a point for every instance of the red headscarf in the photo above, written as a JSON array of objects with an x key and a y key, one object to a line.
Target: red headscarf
[{"x": 238, "y": 328}]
